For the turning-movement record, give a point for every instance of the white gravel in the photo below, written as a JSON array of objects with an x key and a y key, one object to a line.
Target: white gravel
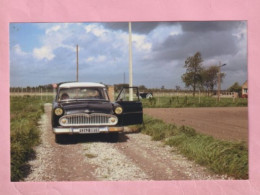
[
  {"x": 111, "y": 163},
  {"x": 39, "y": 165}
]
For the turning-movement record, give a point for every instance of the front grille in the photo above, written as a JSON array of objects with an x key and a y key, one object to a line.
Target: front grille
[{"x": 88, "y": 120}]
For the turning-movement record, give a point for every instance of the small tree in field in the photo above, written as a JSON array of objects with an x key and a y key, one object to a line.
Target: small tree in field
[
  {"x": 235, "y": 88},
  {"x": 210, "y": 77},
  {"x": 192, "y": 77},
  {"x": 177, "y": 88}
]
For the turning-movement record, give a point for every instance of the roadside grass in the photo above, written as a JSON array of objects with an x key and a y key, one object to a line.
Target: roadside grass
[
  {"x": 222, "y": 157},
  {"x": 25, "y": 113},
  {"x": 189, "y": 101}
]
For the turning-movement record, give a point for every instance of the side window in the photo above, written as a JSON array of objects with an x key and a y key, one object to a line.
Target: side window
[{"x": 128, "y": 94}]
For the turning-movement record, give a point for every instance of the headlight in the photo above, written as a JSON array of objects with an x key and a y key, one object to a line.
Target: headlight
[
  {"x": 63, "y": 121},
  {"x": 119, "y": 110},
  {"x": 113, "y": 120},
  {"x": 58, "y": 111}
]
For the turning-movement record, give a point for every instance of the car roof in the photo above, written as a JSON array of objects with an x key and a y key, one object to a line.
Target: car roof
[{"x": 81, "y": 84}]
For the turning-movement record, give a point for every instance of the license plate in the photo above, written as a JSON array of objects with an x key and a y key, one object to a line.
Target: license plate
[{"x": 88, "y": 130}]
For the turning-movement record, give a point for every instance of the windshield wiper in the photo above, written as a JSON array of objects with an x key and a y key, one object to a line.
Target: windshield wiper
[{"x": 83, "y": 100}]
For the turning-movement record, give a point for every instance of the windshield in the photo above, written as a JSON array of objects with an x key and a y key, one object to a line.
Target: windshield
[{"x": 81, "y": 93}]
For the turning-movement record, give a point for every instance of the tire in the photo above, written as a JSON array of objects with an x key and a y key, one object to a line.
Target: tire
[
  {"x": 113, "y": 137},
  {"x": 59, "y": 138}
]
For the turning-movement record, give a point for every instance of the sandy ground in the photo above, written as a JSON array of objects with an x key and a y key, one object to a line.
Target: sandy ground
[
  {"x": 224, "y": 123},
  {"x": 94, "y": 158}
]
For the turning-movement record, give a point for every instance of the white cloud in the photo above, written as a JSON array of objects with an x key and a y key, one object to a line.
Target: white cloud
[
  {"x": 43, "y": 53},
  {"x": 172, "y": 33},
  {"x": 97, "y": 30},
  {"x": 70, "y": 47},
  {"x": 52, "y": 29},
  {"x": 101, "y": 58},
  {"x": 141, "y": 42},
  {"x": 89, "y": 59},
  {"x": 54, "y": 38},
  {"x": 17, "y": 49}
]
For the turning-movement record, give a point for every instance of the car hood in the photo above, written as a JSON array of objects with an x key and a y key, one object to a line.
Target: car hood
[{"x": 87, "y": 107}]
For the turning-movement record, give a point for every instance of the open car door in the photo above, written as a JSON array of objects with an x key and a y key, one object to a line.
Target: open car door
[{"x": 132, "y": 107}]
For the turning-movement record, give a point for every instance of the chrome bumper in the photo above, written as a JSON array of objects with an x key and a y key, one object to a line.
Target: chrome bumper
[{"x": 77, "y": 130}]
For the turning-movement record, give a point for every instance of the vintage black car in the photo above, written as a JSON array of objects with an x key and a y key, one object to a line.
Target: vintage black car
[{"x": 85, "y": 108}]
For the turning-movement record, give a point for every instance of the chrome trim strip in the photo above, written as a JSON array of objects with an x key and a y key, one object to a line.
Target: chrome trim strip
[
  {"x": 82, "y": 119},
  {"x": 76, "y": 130}
]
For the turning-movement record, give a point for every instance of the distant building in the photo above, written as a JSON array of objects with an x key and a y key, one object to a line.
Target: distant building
[{"x": 244, "y": 89}]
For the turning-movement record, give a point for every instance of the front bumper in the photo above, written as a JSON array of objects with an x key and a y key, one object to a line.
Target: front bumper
[{"x": 77, "y": 130}]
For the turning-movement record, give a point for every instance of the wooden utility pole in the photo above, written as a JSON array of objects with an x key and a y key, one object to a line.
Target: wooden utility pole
[
  {"x": 219, "y": 79},
  {"x": 77, "y": 76}
]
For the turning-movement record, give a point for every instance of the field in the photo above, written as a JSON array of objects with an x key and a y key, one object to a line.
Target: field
[
  {"x": 229, "y": 123},
  {"x": 25, "y": 113}
]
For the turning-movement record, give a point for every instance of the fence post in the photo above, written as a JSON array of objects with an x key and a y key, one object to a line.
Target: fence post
[
  {"x": 53, "y": 92},
  {"x": 199, "y": 96},
  {"x": 41, "y": 92}
]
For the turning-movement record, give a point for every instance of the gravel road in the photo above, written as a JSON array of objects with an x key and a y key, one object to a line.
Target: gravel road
[{"x": 94, "y": 158}]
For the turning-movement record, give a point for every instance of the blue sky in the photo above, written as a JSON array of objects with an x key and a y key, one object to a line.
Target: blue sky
[{"x": 44, "y": 53}]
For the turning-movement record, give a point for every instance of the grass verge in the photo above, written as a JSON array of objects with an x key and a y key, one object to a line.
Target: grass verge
[
  {"x": 189, "y": 101},
  {"x": 222, "y": 157},
  {"x": 25, "y": 113}
]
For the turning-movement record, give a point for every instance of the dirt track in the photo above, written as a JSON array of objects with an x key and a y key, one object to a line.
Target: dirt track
[
  {"x": 223, "y": 123},
  {"x": 94, "y": 158}
]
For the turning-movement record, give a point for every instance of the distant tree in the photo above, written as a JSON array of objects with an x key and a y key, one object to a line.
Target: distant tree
[
  {"x": 177, "y": 88},
  {"x": 210, "y": 77},
  {"x": 162, "y": 87},
  {"x": 118, "y": 87},
  {"x": 142, "y": 88},
  {"x": 192, "y": 77},
  {"x": 236, "y": 88}
]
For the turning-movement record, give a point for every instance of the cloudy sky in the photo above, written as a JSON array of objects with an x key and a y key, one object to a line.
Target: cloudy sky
[{"x": 44, "y": 53}]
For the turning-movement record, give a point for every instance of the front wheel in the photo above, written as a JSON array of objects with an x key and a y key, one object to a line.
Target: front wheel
[
  {"x": 60, "y": 138},
  {"x": 114, "y": 137}
]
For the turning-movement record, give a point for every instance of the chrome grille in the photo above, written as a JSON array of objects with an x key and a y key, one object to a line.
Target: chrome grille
[{"x": 88, "y": 120}]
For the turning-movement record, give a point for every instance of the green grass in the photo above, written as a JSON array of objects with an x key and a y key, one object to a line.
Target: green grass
[
  {"x": 25, "y": 135},
  {"x": 189, "y": 101},
  {"x": 222, "y": 157}
]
